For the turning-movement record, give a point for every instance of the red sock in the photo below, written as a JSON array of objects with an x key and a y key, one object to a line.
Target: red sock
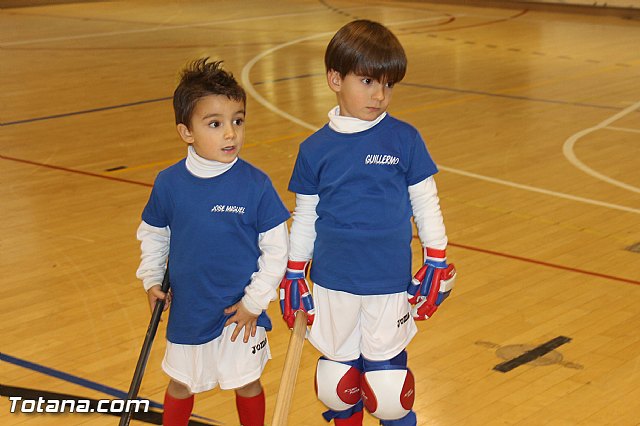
[
  {"x": 354, "y": 420},
  {"x": 251, "y": 410},
  {"x": 176, "y": 411}
]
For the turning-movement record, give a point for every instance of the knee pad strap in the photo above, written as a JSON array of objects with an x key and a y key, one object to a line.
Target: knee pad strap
[
  {"x": 344, "y": 414},
  {"x": 408, "y": 420}
]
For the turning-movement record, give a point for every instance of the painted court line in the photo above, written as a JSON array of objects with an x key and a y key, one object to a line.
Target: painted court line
[
  {"x": 540, "y": 190},
  {"x": 569, "y": 146},
  {"x": 623, "y": 129},
  {"x": 155, "y": 29},
  {"x": 70, "y": 378},
  {"x": 495, "y": 253},
  {"x": 80, "y": 172},
  {"x": 152, "y": 417},
  {"x": 249, "y": 87},
  {"x": 87, "y": 111},
  {"x": 547, "y": 264}
]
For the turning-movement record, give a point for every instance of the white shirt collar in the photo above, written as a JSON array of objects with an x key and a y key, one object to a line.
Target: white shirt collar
[
  {"x": 203, "y": 168},
  {"x": 342, "y": 124}
]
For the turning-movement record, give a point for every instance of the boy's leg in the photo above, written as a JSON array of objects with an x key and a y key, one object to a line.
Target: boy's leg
[
  {"x": 387, "y": 383},
  {"x": 240, "y": 366},
  {"x": 338, "y": 387},
  {"x": 388, "y": 390},
  {"x": 178, "y": 404},
  {"x": 192, "y": 369},
  {"x": 336, "y": 333},
  {"x": 250, "y": 402},
  {"x": 336, "y": 327}
]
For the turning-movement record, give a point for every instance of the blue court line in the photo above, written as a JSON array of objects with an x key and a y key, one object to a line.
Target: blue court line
[
  {"x": 302, "y": 76},
  {"x": 293, "y": 77},
  {"x": 517, "y": 97},
  {"x": 69, "y": 378},
  {"x": 117, "y": 393},
  {"x": 467, "y": 91},
  {"x": 86, "y": 111}
]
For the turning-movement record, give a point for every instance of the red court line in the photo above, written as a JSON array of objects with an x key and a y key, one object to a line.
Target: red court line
[
  {"x": 80, "y": 172},
  {"x": 462, "y": 246},
  {"x": 547, "y": 264}
]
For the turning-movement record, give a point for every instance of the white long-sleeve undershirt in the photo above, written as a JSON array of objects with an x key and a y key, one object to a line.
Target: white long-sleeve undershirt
[
  {"x": 273, "y": 244},
  {"x": 303, "y": 230},
  {"x": 427, "y": 215}
]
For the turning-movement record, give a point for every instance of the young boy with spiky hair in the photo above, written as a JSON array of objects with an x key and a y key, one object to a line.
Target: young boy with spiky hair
[{"x": 221, "y": 226}]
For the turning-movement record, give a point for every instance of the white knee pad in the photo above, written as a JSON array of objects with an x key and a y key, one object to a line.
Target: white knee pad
[
  {"x": 388, "y": 394},
  {"x": 337, "y": 384}
]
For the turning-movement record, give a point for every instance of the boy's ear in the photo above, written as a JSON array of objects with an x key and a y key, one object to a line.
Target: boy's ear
[
  {"x": 185, "y": 133},
  {"x": 334, "y": 79}
]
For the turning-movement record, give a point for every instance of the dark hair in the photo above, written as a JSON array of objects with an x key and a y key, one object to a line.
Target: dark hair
[
  {"x": 366, "y": 48},
  {"x": 199, "y": 79}
]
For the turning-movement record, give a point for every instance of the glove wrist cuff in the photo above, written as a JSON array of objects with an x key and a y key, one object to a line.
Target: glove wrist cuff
[
  {"x": 294, "y": 265},
  {"x": 435, "y": 254}
]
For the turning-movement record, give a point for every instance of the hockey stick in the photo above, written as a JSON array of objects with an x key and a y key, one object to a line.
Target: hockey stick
[
  {"x": 144, "y": 352},
  {"x": 290, "y": 370}
]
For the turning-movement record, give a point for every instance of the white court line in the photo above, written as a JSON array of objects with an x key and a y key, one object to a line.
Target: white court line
[
  {"x": 623, "y": 129},
  {"x": 567, "y": 149},
  {"x": 177, "y": 27},
  {"x": 540, "y": 190},
  {"x": 248, "y": 86},
  {"x": 154, "y": 29}
]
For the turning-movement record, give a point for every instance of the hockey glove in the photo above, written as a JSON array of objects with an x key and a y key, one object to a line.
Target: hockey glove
[
  {"x": 431, "y": 284},
  {"x": 294, "y": 293}
]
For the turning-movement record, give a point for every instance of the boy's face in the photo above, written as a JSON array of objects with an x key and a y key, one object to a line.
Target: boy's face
[
  {"x": 217, "y": 128},
  {"x": 360, "y": 96}
]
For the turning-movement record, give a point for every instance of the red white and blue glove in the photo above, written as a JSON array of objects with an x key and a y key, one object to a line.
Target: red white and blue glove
[
  {"x": 431, "y": 284},
  {"x": 294, "y": 293}
]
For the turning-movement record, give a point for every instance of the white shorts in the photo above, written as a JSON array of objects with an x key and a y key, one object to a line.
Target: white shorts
[
  {"x": 219, "y": 362},
  {"x": 346, "y": 325}
]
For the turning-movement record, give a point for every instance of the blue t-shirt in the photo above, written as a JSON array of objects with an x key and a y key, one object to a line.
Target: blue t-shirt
[
  {"x": 364, "y": 230},
  {"x": 214, "y": 223}
]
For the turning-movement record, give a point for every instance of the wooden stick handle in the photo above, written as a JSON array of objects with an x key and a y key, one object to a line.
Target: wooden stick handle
[{"x": 290, "y": 370}]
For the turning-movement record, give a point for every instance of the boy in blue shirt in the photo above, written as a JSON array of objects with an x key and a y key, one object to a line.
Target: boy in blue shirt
[
  {"x": 222, "y": 227},
  {"x": 358, "y": 181}
]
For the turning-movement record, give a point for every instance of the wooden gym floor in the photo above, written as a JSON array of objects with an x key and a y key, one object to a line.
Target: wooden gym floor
[{"x": 532, "y": 116}]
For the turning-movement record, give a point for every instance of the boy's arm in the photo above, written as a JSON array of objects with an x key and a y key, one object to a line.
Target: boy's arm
[
  {"x": 274, "y": 247},
  {"x": 434, "y": 281},
  {"x": 154, "y": 247},
  {"x": 303, "y": 231},
  {"x": 427, "y": 214}
]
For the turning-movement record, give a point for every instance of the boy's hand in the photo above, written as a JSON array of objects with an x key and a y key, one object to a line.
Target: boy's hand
[
  {"x": 155, "y": 293},
  {"x": 431, "y": 284},
  {"x": 294, "y": 294},
  {"x": 243, "y": 319}
]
